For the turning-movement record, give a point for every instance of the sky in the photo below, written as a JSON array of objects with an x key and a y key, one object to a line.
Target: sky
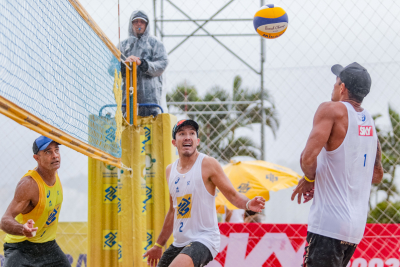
[{"x": 297, "y": 75}]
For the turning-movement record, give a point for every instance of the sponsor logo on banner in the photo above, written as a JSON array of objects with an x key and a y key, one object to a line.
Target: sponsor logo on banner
[
  {"x": 110, "y": 239},
  {"x": 365, "y": 130},
  {"x": 110, "y": 193},
  {"x": 53, "y": 216},
  {"x": 119, "y": 251},
  {"x": 110, "y": 133},
  {"x": 148, "y": 244},
  {"x": 102, "y": 135},
  {"x": 109, "y": 171},
  {"x": 148, "y": 196},
  {"x": 244, "y": 187},
  {"x": 146, "y": 138},
  {"x": 272, "y": 178},
  {"x": 143, "y": 150},
  {"x": 184, "y": 206},
  {"x": 119, "y": 205},
  {"x": 149, "y": 166}
]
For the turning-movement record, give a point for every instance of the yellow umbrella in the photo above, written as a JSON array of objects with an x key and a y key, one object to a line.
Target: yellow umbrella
[{"x": 256, "y": 178}]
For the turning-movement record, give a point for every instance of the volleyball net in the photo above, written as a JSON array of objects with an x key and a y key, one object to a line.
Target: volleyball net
[{"x": 57, "y": 71}]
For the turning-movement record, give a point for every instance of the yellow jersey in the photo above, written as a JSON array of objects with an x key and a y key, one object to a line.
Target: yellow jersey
[{"x": 45, "y": 214}]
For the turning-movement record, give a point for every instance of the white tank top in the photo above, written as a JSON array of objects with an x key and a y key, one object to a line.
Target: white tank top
[
  {"x": 343, "y": 182},
  {"x": 195, "y": 216}
]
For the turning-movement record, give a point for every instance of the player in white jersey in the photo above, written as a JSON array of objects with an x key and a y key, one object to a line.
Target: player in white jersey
[
  {"x": 192, "y": 216},
  {"x": 341, "y": 159}
]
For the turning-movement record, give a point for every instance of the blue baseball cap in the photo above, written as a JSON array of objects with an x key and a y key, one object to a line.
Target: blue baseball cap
[{"x": 41, "y": 143}]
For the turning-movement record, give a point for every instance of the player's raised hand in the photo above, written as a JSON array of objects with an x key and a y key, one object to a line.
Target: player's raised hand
[
  {"x": 154, "y": 254},
  {"x": 257, "y": 204},
  {"x": 29, "y": 230}
]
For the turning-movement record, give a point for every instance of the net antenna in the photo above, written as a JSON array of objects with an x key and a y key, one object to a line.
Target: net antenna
[{"x": 119, "y": 39}]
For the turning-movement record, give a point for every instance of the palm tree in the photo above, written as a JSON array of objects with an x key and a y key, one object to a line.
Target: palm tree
[{"x": 219, "y": 122}]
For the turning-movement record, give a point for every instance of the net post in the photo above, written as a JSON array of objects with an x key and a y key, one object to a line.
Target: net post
[
  {"x": 133, "y": 102},
  {"x": 127, "y": 85}
]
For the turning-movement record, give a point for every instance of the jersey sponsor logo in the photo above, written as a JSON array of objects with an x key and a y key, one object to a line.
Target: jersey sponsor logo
[
  {"x": 184, "y": 206},
  {"x": 52, "y": 216},
  {"x": 188, "y": 182},
  {"x": 177, "y": 180},
  {"x": 365, "y": 130},
  {"x": 362, "y": 117},
  {"x": 48, "y": 194}
]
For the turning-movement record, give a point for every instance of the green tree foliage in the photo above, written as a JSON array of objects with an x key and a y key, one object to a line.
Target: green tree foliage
[
  {"x": 218, "y": 123},
  {"x": 387, "y": 210}
]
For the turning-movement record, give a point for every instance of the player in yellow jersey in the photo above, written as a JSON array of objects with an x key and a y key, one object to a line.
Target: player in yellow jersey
[{"x": 31, "y": 219}]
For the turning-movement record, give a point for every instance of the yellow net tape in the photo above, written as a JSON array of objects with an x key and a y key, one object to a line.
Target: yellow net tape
[{"x": 118, "y": 99}]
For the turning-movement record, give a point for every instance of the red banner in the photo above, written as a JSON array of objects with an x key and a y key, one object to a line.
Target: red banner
[{"x": 282, "y": 245}]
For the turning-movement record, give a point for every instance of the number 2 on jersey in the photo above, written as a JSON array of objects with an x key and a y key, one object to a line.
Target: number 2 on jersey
[
  {"x": 365, "y": 158},
  {"x": 180, "y": 228}
]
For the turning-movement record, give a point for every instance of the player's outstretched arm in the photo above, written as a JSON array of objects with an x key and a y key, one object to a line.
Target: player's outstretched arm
[
  {"x": 24, "y": 193},
  {"x": 322, "y": 126},
  {"x": 154, "y": 254},
  {"x": 222, "y": 182},
  {"x": 378, "y": 168}
]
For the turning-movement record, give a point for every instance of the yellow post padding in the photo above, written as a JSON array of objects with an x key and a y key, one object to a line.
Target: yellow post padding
[
  {"x": 143, "y": 197},
  {"x": 170, "y": 154},
  {"x": 102, "y": 219}
]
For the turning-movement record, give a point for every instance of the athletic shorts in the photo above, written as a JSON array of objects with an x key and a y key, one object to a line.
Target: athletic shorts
[
  {"x": 199, "y": 253},
  {"x": 322, "y": 251},
  {"x": 30, "y": 254}
]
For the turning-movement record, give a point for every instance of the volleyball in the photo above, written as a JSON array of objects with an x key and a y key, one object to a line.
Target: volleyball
[{"x": 270, "y": 22}]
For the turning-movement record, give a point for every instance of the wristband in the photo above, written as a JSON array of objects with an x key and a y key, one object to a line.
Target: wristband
[
  {"x": 247, "y": 204},
  {"x": 308, "y": 180},
  {"x": 158, "y": 245}
]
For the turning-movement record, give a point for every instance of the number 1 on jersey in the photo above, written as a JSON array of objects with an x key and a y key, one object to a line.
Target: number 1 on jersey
[
  {"x": 180, "y": 228},
  {"x": 365, "y": 159}
]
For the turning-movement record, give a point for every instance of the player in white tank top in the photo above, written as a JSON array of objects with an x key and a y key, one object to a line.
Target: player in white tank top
[
  {"x": 341, "y": 159},
  {"x": 192, "y": 217}
]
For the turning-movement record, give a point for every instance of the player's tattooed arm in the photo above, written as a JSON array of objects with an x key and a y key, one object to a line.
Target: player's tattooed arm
[{"x": 378, "y": 168}]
